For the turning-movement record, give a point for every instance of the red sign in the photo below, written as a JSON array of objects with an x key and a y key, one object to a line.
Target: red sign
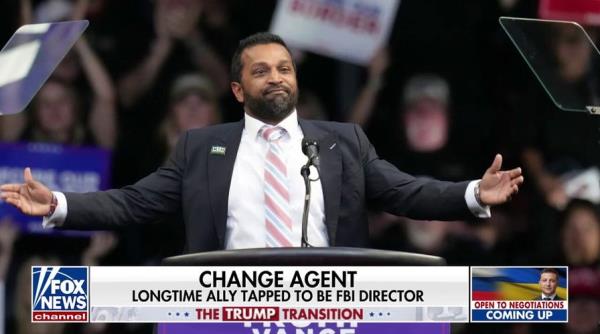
[{"x": 585, "y": 12}]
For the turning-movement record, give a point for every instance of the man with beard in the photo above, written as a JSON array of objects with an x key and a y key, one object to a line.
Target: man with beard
[{"x": 238, "y": 185}]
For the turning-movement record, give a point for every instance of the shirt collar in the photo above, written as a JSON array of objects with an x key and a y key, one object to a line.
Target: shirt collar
[
  {"x": 253, "y": 125},
  {"x": 550, "y": 296}
]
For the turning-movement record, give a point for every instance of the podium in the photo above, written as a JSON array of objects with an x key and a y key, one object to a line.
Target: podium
[{"x": 313, "y": 256}]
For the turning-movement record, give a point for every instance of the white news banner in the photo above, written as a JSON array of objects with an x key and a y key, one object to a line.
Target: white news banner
[{"x": 240, "y": 294}]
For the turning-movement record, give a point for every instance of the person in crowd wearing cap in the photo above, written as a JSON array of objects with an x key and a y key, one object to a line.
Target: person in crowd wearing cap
[
  {"x": 413, "y": 129},
  {"x": 414, "y": 124},
  {"x": 425, "y": 118},
  {"x": 193, "y": 104},
  {"x": 548, "y": 284},
  {"x": 238, "y": 185}
]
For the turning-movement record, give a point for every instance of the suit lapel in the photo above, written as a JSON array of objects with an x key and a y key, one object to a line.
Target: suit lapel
[
  {"x": 331, "y": 173},
  {"x": 220, "y": 171}
]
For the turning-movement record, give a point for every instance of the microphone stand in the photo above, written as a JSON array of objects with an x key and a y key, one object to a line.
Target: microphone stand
[{"x": 305, "y": 171}]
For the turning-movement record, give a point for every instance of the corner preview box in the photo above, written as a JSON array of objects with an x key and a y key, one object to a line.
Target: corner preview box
[
  {"x": 519, "y": 294},
  {"x": 59, "y": 294}
]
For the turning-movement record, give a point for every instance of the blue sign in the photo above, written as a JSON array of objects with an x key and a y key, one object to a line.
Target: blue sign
[{"x": 59, "y": 167}]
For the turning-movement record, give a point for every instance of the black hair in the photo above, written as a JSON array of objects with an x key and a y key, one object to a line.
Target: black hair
[
  {"x": 250, "y": 41},
  {"x": 550, "y": 270}
]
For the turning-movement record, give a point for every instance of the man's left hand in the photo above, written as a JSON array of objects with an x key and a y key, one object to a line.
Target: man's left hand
[{"x": 497, "y": 186}]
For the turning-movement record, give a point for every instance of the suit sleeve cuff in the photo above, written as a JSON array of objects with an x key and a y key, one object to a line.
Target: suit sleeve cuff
[
  {"x": 479, "y": 211},
  {"x": 60, "y": 213}
]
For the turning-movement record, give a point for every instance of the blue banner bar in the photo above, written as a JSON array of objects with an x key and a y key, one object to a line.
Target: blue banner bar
[{"x": 509, "y": 315}]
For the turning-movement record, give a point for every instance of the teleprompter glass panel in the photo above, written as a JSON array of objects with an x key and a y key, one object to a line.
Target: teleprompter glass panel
[
  {"x": 564, "y": 59},
  {"x": 29, "y": 57}
]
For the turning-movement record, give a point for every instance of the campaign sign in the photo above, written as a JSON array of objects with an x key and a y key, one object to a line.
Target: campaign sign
[
  {"x": 519, "y": 294},
  {"x": 349, "y": 30},
  {"x": 59, "y": 167},
  {"x": 59, "y": 294}
]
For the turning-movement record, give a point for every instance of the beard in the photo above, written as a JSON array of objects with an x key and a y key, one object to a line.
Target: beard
[{"x": 271, "y": 109}]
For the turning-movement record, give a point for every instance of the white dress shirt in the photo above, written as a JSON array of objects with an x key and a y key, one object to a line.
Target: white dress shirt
[{"x": 246, "y": 209}]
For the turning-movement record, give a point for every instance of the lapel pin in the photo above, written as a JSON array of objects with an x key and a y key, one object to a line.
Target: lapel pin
[{"x": 218, "y": 150}]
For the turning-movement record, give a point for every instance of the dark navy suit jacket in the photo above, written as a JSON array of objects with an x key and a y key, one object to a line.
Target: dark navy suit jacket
[{"x": 196, "y": 183}]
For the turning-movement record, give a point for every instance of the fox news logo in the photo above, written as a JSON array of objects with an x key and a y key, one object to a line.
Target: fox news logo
[{"x": 59, "y": 294}]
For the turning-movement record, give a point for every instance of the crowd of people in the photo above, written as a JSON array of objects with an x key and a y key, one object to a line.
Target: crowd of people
[{"x": 444, "y": 94}]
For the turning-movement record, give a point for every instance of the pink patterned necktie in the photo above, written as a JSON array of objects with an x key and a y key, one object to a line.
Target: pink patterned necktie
[{"x": 277, "y": 197}]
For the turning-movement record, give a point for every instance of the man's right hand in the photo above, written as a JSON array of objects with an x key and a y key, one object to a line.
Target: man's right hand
[{"x": 31, "y": 197}]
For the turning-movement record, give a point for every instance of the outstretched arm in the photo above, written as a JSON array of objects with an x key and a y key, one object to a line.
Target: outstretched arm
[
  {"x": 151, "y": 198},
  {"x": 183, "y": 26},
  {"x": 206, "y": 59},
  {"x": 365, "y": 103},
  {"x": 102, "y": 119},
  {"x": 32, "y": 197},
  {"x": 402, "y": 194},
  {"x": 133, "y": 85}
]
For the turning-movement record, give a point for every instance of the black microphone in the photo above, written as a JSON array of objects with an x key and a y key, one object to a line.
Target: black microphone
[{"x": 310, "y": 148}]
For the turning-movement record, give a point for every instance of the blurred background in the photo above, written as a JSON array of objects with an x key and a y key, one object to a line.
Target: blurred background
[{"x": 442, "y": 92}]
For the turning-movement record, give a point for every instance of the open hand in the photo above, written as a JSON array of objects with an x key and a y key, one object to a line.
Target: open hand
[
  {"x": 497, "y": 186},
  {"x": 32, "y": 197}
]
